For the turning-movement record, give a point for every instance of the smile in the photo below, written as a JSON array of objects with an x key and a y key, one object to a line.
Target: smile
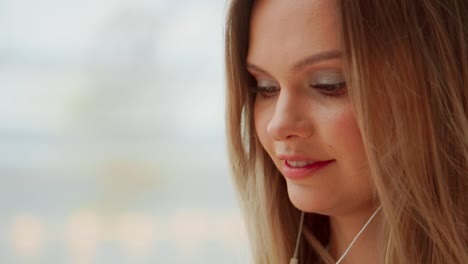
[
  {"x": 299, "y": 164},
  {"x": 296, "y": 170}
]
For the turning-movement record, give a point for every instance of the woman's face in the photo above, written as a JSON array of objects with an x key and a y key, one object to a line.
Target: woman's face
[{"x": 302, "y": 112}]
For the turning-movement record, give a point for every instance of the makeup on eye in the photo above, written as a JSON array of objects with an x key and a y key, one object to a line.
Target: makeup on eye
[
  {"x": 329, "y": 83},
  {"x": 266, "y": 88}
]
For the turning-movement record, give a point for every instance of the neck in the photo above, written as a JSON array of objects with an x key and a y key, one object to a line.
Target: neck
[{"x": 344, "y": 229}]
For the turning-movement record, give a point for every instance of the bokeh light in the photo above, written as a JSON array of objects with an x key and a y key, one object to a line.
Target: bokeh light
[
  {"x": 112, "y": 133},
  {"x": 28, "y": 235}
]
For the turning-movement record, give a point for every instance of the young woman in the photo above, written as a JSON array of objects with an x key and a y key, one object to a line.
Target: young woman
[{"x": 347, "y": 129}]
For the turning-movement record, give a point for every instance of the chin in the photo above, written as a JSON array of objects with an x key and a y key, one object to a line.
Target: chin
[{"x": 307, "y": 200}]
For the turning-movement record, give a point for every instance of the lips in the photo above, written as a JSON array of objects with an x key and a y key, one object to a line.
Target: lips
[
  {"x": 299, "y": 164},
  {"x": 296, "y": 170}
]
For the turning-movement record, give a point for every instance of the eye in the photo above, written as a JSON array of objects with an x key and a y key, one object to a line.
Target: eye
[
  {"x": 329, "y": 82},
  {"x": 266, "y": 89},
  {"x": 334, "y": 89}
]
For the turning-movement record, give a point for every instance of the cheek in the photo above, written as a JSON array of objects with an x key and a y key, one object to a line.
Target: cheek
[
  {"x": 261, "y": 122},
  {"x": 348, "y": 146},
  {"x": 262, "y": 118}
]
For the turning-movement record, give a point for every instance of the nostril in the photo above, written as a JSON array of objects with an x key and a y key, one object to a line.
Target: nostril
[{"x": 287, "y": 126}]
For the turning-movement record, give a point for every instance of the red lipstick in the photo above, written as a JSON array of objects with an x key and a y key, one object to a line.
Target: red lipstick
[{"x": 294, "y": 170}]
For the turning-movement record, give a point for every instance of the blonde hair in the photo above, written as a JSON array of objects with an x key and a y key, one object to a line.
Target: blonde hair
[{"x": 406, "y": 64}]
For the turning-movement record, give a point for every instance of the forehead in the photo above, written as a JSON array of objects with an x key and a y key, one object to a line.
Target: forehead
[{"x": 284, "y": 31}]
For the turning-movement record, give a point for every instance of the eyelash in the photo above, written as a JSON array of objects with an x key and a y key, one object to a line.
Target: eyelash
[
  {"x": 329, "y": 90},
  {"x": 266, "y": 92}
]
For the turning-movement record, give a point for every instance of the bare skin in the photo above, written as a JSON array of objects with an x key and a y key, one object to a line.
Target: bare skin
[{"x": 302, "y": 114}]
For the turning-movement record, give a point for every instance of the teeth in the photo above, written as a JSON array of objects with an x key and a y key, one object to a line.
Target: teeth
[{"x": 298, "y": 164}]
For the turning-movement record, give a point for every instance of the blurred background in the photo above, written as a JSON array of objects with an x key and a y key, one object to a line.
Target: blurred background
[{"x": 112, "y": 146}]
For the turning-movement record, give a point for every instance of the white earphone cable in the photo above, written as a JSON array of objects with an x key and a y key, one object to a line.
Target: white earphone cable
[
  {"x": 358, "y": 234},
  {"x": 294, "y": 259}
]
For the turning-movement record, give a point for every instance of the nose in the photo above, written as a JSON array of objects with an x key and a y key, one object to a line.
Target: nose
[{"x": 291, "y": 118}]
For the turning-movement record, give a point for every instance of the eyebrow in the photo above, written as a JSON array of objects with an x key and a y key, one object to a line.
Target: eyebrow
[{"x": 322, "y": 56}]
